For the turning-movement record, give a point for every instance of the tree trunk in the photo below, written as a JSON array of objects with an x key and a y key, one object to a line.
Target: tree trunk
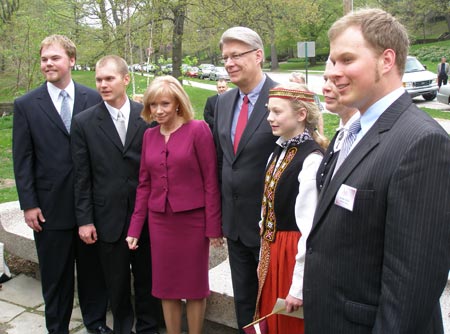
[
  {"x": 273, "y": 57},
  {"x": 177, "y": 39},
  {"x": 447, "y": 18}
]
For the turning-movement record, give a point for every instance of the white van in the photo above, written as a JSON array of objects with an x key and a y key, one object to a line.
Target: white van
[{"x": 418, "y": 81}]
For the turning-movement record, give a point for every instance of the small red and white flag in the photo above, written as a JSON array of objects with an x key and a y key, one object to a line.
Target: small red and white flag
[{"x": 258, "y": 328}]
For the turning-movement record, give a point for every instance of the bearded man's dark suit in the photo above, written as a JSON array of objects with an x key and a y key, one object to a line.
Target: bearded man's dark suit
[
  {"x": 106, "y": 178},
  {"x": 43, "y": 172},
  {"x": 242, "y": 183},
  {"x": 382, "y": 267}
]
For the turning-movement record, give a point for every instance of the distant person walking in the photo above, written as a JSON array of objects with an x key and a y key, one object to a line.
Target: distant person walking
[{"x": 442, "y": 70}]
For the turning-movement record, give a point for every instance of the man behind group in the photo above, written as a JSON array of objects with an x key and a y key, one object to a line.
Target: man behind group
[
  {"x": 442, "y": 70},
  {"x": 347, "y": 116},
  {"x": 244, "y": 142},
  {"x": 106, "y": 147},
  {"x": 378, "y": 253},
  {"x": 44, "y": 179},
  {"x": 208, "y": 113}
]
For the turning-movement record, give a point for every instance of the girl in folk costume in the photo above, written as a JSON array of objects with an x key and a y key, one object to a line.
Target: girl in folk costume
[{"x": 289, "y": 201}]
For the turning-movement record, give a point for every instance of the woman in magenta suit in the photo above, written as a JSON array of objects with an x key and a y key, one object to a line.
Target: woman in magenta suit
[{"x": 179, "y": 194}]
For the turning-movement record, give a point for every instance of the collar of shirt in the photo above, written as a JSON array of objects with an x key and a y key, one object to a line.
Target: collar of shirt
[
  {"x": 372, "y": 114},
  {"x": 54, "y": 92},
  {"x": 252, "y": 96},
  {"x": 125, "y": 109}
]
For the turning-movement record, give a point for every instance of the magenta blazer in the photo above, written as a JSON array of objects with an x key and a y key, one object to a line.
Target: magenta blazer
[{"x": 182, "y": 171}]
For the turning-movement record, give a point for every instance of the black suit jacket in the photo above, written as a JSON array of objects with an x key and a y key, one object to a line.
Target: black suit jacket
[
  {"x": 41, "y": 154},
  {"x": 242, "y": 175},
  {"x": 328, "y": 161},
  {"x": 208, "y": 113},
  {"x": 382, "y": 267},
  {"x": 106, "y": 172}
]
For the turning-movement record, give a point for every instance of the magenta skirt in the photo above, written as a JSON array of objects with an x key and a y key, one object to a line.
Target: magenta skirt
[{"x": 180, "y": 254}]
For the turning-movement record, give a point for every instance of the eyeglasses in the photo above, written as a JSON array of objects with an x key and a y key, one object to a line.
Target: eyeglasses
[{"x": 236, "y": 56}]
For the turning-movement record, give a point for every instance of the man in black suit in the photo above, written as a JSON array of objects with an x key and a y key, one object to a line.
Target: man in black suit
[
  {"x": 242, "y": 160},
  {"x": 106, "y": 148},
  {"x": 44, "y": 179},
  {"x": 378, "y": 255},
  {"x": 208, "y": 113}
]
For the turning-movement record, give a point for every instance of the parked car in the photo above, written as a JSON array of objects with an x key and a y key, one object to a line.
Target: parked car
[
  {"x": 149, "y": 68},
  {"x": 192, "y": 72},
  {"x": 418, "y": 81},
  {"x": 443, "y": 95},
  {"x": 204, "y": 70},
  {"x": 166, "y": 69},
  {"x": 219, "y": 73}
]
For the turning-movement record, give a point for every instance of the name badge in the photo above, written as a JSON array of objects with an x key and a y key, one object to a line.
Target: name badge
[{"x": 345, "y": 197}]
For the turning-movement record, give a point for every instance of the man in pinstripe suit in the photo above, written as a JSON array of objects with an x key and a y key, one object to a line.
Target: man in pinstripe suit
[{"x": 378, "y": 254}]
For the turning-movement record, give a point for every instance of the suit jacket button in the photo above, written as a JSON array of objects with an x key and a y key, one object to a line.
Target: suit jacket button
[{"x": 310, "y": 250}]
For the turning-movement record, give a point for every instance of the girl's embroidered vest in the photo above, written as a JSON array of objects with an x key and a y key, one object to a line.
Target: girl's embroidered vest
[{"x": 281, "y": 189}]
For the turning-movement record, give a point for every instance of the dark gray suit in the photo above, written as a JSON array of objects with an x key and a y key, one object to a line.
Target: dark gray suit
[
  {"x": 208, "y": 113},
  {"x": 382, "y": 268},
  {"x": 44, "y": 178},
  {"x": 106, "y": 178},
  {"x": 242, "y": 183}
]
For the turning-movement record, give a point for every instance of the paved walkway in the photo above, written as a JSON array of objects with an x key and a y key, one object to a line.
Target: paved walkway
[{"x": 22, "y": 310}]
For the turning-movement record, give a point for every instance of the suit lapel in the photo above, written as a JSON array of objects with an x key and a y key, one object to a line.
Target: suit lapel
[
  {"x": 106, "y": 124},
  {"x": 133, "y": 123},
  {"x": 360, "y": 151},
  {"x": 46, "y": 104},
  {"x": 228, "y": 107},
  {"x": 80, "y": 100}
]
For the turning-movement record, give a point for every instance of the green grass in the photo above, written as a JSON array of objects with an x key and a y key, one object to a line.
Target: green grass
[
  {"x": 330, "y": 124},
  {"x": 437, "y": 113},
  {"x": 7, "y": 190}
]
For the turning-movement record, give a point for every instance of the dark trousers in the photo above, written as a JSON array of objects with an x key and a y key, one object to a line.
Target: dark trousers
[
  {"x": 243, "y": 265},
  {"x": 56, "y": 256},
  {"x": 442, "y": 79},
  {"x": 57, "y": 252},
  {"x": 92, "y": 293},
  {"x": 116, "y": 260}
]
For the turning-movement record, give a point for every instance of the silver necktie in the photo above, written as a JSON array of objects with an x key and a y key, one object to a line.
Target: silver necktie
[
  {"x": 66, "y": 114},
  {"x": 347, "y": 144},
  {"x": 121, "y": 127}
]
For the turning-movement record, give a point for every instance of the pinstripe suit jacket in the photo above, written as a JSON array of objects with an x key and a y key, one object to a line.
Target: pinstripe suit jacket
[{"x": 382, "y": 267}]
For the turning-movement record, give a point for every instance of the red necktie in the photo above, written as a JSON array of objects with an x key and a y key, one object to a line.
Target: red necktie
[{"x": 241, "y": 123}]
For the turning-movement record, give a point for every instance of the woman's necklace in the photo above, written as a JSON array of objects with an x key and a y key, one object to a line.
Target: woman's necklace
[{"x": 167, "y": 132}]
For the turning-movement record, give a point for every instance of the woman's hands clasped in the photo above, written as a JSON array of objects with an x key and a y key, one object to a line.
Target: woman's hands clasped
[{"x": 132, "y": 243}]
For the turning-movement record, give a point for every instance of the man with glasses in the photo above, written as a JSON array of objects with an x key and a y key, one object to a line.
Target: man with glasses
[{"x": 244, "y": 142}]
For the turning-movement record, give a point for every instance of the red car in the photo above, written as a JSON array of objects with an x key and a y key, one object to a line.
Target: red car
[{"x": 192, "y": 72}]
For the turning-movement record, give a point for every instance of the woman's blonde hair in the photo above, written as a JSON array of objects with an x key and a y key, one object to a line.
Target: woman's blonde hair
[
  {"x": 312, "y": 112},
  {"x": 167, "y": 86}
]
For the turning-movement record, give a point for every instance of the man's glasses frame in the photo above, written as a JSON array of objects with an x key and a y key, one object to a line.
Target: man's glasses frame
[{"x": 236, "y": 56}]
